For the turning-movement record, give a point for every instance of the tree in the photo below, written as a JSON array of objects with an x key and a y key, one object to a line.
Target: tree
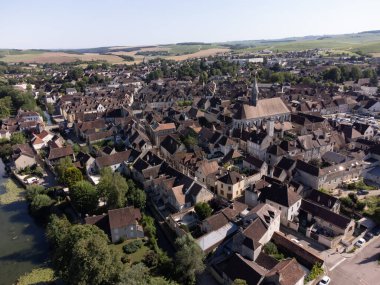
[
  {"x": 333, "y": 74},
  {"x": 57, "y": 230},
  {"x": 148, "y": 225},
  {"x": 39, "y": 202},
  {"x": 315, "y": 162},
  {"x": 84, "y": 257},
  {"x": 84, "y": 196},
  {"x": 355, "y": 73},
  {"x": 17, "y": 138},
  {"x": 71, "y": 176},
  {"x": 5, "y": 150},
  {"x": 113, "y": 187},
  {"x": 34, "y": 190},
  {"x": 189, "y": 259},
  {"x": 270, "y": 248},
  {"x": 374, "y": 81},
  {"x": 137, "y": 198},
  {"x": 203, "y": 210},
  {"x": 50, "y": 108},
  {"x": 61, "y": 166}
]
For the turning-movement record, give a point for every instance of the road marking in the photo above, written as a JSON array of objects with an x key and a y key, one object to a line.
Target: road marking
[{"x": 337, "y": 264}]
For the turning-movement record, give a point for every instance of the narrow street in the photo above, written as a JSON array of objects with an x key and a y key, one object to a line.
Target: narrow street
[{"x": 360, "y": 269}]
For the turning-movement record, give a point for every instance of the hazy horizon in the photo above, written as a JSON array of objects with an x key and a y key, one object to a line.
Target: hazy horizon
[{"x": 43, "y": 24}]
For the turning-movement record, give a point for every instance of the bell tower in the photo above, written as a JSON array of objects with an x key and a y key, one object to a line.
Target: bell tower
[{"x": 255, "y": 92}]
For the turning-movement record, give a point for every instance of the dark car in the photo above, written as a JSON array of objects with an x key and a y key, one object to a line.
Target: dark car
[
  {"x": 368, "y": 236},
  {"x": 362, "y": 192},
  {"x": 376, "y": 231}
]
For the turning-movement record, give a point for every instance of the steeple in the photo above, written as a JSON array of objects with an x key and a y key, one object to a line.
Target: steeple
[{"x": 255, "y": 92}]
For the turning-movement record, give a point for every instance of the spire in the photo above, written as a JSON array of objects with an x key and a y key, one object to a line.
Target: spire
[{"x": 255, "y": 92}]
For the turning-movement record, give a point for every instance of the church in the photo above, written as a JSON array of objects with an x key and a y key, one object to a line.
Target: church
[{"x": 257, "y": 112}]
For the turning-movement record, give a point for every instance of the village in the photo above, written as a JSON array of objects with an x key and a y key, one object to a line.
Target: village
[{"x": 269, "y": 164}]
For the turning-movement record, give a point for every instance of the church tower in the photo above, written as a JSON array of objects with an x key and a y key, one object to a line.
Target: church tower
[{"x": 255, "y": 93}]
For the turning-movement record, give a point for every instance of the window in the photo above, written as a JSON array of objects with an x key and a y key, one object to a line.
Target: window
[
  {"x": 222, "y": 192},
  {"x": 229, "y": 188}
]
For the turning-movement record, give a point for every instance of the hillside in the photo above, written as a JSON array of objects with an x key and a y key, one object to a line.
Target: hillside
[{"x": 365, "y": 42}]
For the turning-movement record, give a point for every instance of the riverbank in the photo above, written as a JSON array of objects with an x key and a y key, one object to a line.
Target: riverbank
[
  {"x": 12, "y": 193},
  {"x": 23, "y": 245}
]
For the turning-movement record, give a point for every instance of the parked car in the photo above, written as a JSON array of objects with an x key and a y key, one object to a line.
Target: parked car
[
  {"x": 32, "y": 180},
  {"x": 296, "y": 241},
  {"x": 325, "y": 280},
  {"x": 362, "y": 192},
  {"x": 376, "y": 231},
  {"x": 368, "y": 236},
  {"x": 360, "y": 242}
]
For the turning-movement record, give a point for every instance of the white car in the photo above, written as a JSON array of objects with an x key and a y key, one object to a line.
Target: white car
[
  {"x": 360, "y": 242},
  {"x": 296, "y": 241},
  {"x": 325, "y": 280}
]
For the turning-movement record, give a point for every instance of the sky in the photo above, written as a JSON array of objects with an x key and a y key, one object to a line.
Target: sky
[{"x": 65, "y": 24}]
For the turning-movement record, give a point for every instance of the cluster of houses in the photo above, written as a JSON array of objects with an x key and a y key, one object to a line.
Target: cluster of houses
[{"x": 259, "y": 155}]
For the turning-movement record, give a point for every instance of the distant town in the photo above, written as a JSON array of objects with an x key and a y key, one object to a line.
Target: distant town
[{"x": 255, "y": 168}]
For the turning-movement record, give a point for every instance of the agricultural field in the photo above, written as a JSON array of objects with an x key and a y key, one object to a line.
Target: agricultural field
[{"x": 351, "y": 44}]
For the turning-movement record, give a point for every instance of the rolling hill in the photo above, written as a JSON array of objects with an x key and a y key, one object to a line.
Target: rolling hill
[{"x": 365, "y": 42}]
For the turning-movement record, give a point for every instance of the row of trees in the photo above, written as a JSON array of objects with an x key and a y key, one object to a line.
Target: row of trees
[
  {"x": 346, "y": 73},
  {"x": 193, "y": 69}
]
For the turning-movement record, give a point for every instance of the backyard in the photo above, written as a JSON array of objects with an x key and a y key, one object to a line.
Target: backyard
[{"x": 136, "y": 256}]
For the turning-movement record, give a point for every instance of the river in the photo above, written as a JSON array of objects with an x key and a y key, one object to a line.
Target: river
[{"x": 22, "y": 242}]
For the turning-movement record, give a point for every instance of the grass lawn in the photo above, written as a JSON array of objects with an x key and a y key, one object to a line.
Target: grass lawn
[
  {"x": 12, "y": 193},
  {"x": 135, "y": 257},
  {"x": 37, "y": 276}
]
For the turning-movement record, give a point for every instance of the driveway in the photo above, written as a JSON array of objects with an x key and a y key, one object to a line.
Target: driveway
[{"x": 360, "y": 269}]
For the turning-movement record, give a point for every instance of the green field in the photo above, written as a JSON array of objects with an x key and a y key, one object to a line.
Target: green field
[{"x": 368, "y": 42}]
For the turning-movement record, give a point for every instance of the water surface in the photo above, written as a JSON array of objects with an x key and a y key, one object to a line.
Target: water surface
[{"x": 22, "y": 242}]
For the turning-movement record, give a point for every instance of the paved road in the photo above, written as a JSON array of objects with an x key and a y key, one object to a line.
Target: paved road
[{"x": 361, "y": 269}]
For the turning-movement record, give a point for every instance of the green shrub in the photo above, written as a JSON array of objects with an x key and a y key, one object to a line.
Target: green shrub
[
  {"x": 316, "y": 271},
  {"x": 133, "y": 246},
  {"x": 270, "y": 248}
]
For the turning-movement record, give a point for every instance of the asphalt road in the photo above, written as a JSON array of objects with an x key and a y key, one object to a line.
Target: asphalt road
[{"x": 361, "y": 269}]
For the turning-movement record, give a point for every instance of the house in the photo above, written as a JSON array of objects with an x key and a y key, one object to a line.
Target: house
[
  {"x": 220, "y": 226},
  {"x": 204, "y": 169},
  {"x": 252, "y": 163},
  {"x": 119, "y": 224},
  {"x": 124, "y": 223},
  {"x": 87, "y": 162},
  {"x": 116, "y": 160},
  {"x": 55, "y": 154},
  {"x": 283, "y": 198},
  {"x": 22, "y": 156},
  {"x": 263, "y": 221},
  {"x": 169, "y": 146},
  {"x": 159, "y": 131},
  {"x": 329, "y": 177},
  {"x": 230, "y": 185},
  {"x": 285, "y": 272},
  {"x": 324, "y": 225},
  {"x": 325, "y": 200},
  {"x": 41, "y": 140},
  {"x": 258, "y": 143},
  {"x": 274, "y": 154}
]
